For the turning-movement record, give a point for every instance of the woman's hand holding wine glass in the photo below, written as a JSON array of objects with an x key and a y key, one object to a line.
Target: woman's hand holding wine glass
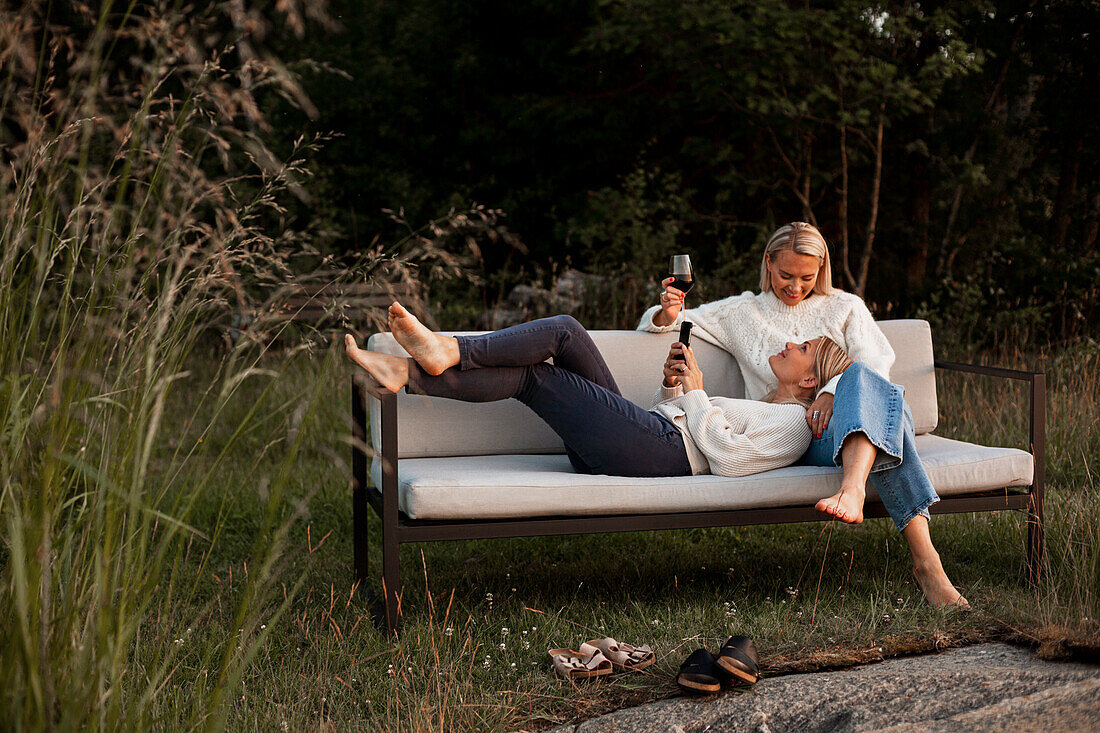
[{"x": 675, "y": 288}]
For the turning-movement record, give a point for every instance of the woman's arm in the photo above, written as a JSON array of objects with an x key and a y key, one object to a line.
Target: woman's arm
[
  {"x": 708, "y": 316},
  {"x": 774, "y": 442}
]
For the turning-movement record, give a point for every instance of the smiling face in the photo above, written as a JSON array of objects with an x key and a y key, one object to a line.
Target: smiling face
[
  {"x": 793, "y": 276},
  {"x": 794, "y": 366}
]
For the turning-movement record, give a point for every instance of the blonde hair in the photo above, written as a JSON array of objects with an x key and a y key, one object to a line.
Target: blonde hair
[
  {"x": 804, "y": 239},
  {"x": 829, "y": 361}
]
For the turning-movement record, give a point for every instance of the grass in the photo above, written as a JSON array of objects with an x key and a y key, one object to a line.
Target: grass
[
  {"x": 175, "y": 540},
  {"x": 480, "y": 615}
]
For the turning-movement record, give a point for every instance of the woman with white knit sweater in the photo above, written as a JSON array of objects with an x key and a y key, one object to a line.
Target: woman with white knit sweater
[
  {"x": 685, "y": 432},
  {"x": 871, "y": 434}
]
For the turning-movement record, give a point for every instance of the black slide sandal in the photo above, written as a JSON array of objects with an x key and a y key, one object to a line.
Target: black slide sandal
[
  {"x": 739, "y": 659},
  {"x": 697, "y": 673}
]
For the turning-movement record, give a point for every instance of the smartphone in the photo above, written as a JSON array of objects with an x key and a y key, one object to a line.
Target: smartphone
[{"x": 685, "y": 336}]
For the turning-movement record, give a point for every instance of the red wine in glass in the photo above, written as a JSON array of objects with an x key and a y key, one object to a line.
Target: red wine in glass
[{"x": 679, "y": 267}]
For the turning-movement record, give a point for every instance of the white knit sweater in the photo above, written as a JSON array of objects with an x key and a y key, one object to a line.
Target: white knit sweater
[
  {"x": 754, "y": 326},
  {"x": 732, "y": 437}
]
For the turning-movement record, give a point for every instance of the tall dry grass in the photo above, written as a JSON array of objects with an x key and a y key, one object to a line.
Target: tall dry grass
[
  {"x": 136, "y": 189},
  {"x": 1065, "y": 608}
]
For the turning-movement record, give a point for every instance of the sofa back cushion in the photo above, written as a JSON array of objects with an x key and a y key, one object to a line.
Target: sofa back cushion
[
  {"x": 433, "y": 426},
  {"x": 914, "y": 369}
]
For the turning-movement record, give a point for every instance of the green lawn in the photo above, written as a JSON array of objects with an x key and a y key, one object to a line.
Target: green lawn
[{"x": 480, "y": 615}]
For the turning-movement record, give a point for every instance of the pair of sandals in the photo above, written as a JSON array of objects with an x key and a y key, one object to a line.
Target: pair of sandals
[
  {"x": 600, "y": 657},
  {"x": 737, "y": 663}
]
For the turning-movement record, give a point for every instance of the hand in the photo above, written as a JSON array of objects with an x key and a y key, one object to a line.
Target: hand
[
  {"x": 823, "y": 408},
  {"x": 686, "y": 373},
  {"x": 672, "y": 300},
  {"x": 672, "y": 370}
]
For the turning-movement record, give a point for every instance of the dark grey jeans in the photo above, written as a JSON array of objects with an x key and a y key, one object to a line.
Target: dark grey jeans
[{"x": 576, "y": 396}]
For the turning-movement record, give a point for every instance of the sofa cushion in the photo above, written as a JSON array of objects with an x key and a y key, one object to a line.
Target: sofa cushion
[
  {"x": 914, "y": 369},
  {"x": 433, "y": 426},
  {"x": 500, "y": 486}
]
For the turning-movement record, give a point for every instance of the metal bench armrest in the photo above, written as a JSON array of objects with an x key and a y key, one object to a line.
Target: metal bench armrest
[
  {"x": 1037, "y": 382},
  {"x": 362, "y": 387}
]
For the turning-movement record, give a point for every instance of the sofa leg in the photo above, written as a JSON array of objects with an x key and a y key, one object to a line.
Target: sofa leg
[
  {"x": 359, "y": 505},
  {"x": 1037, "y": 441},
  {"x": 1035, "y": 541},
  {"x": 361, "y": 539},
  {"x": 391, "y": 578}
]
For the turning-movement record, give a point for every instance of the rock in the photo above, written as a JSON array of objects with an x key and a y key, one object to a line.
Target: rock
[
  {"x": 527, "y": 302},
  {"x": 986, "y": 687},
  {"x": 574, "y": 286},
  {"x": 529, "y": 297},
  {"x": 499, "y": 317}
]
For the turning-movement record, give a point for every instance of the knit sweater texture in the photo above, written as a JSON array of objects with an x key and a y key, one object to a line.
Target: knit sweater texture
[
  {"x": 755, "y": 326},
  {"x": 733, "y": 437}
]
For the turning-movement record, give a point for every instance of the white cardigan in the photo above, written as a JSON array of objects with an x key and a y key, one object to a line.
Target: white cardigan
[{"x": 754, "y": 326}]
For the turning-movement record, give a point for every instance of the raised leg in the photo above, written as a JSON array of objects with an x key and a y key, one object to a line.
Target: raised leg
[
  {"x": 561, "y": 338},
  {"x": 603, "y": 432}
]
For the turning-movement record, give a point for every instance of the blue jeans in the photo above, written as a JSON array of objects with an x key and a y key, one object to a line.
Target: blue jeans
[
  {"x": 866, "y": 403},
  {"x": 576, "y": 396}
]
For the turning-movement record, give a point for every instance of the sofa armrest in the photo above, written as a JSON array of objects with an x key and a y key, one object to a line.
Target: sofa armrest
[
  {"x": 989, "y": 371},
  {"x": 1037, "y": 382},
  {"x": 362, "y": 389}
]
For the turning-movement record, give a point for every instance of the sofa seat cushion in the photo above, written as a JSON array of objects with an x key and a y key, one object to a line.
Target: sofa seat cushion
[{"x": 503, "y": 486}]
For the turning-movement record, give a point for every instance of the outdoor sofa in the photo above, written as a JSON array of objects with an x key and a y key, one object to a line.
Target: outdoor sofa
[{"x": 447, "y": 470}]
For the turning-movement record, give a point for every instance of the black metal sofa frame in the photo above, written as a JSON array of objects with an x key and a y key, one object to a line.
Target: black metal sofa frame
[{"x": 398, "y": 529}]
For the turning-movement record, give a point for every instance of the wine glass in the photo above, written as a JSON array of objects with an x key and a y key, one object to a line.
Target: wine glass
[{"x": 679, "y": 267}]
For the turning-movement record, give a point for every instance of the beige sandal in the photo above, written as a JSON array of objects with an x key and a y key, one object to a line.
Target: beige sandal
[
  {"x": 628, "y": 657},
  {"x": 573, "y": 665}
]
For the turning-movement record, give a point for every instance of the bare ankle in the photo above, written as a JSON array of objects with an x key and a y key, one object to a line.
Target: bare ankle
[
  {"x": 927, "y": 564},
  {"x": 854, "y": 489}
]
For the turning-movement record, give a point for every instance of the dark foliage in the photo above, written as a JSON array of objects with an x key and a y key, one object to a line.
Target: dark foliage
[{"x": 947, "y": 149}]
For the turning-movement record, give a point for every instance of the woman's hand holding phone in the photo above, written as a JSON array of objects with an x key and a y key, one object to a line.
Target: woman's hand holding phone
[{"x": 681, "y": 368}]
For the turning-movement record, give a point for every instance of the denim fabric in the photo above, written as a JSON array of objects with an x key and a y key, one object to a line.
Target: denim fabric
[
  {"x": 868, "y": 404},
  {"x": 603, "y": 432}
]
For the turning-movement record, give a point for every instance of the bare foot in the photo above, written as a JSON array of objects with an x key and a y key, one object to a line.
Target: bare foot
[
  {"x": 392, "y": 372},
  {"x": 936, "y": 586},
  {"x": 846, "y": 504},
  {"x": 432, "y": 351}
]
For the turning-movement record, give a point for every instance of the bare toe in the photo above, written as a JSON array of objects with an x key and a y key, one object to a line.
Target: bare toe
[{"x": 847, "y": 506}]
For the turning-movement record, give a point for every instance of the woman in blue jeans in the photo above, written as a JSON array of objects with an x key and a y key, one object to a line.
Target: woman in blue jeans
[
  {"x": 685, "y": 433},
  {"x": 797, "y": 300}
]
